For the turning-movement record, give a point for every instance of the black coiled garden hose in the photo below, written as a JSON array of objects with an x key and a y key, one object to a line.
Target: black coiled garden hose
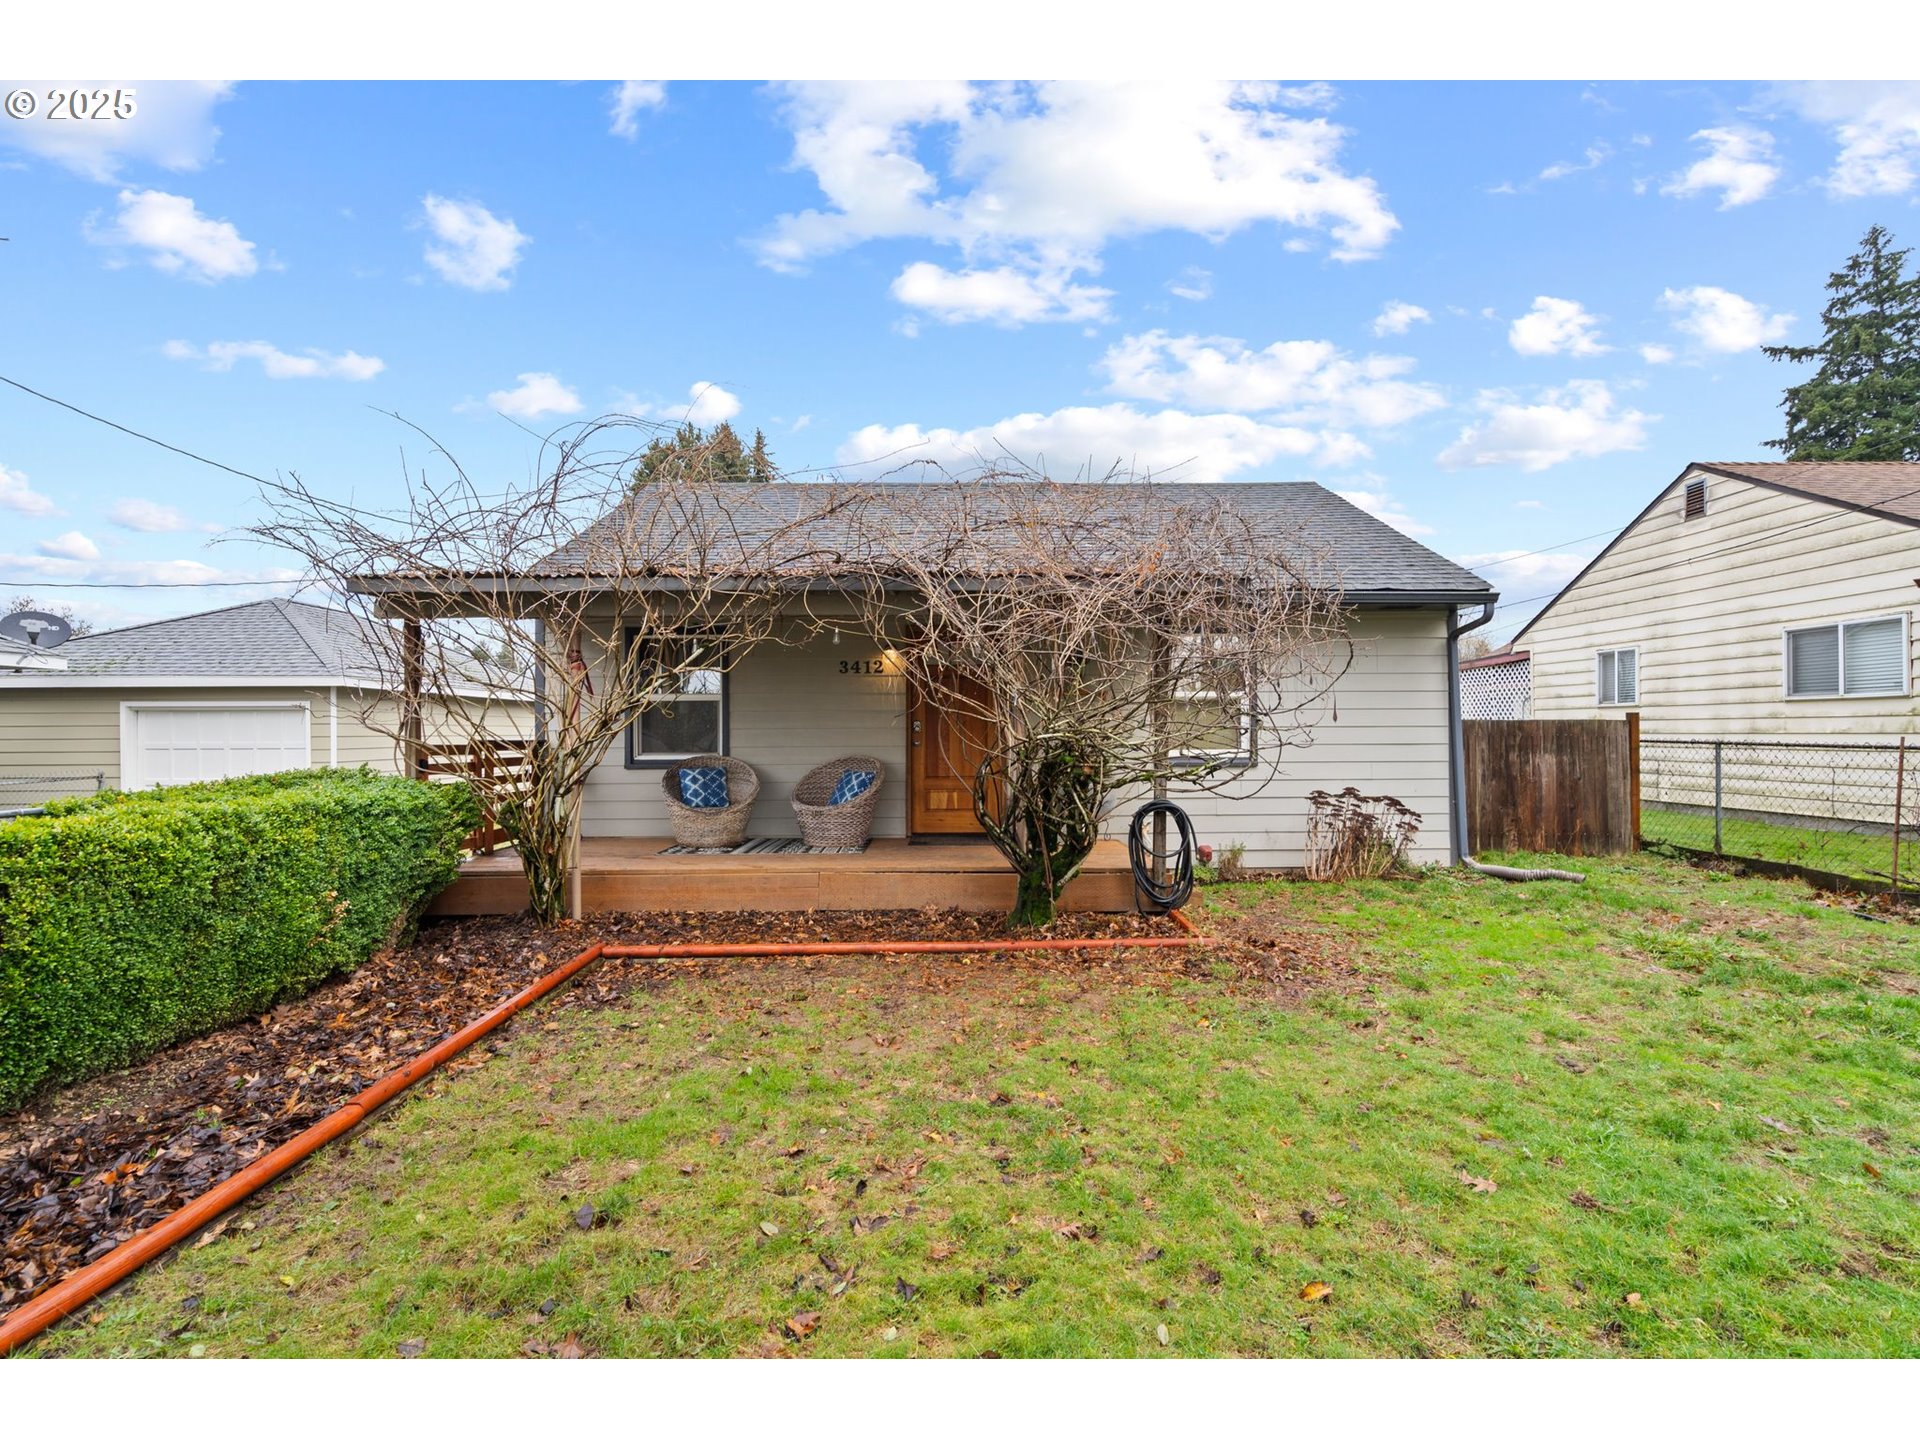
[{"x": 1172, "y": 893}]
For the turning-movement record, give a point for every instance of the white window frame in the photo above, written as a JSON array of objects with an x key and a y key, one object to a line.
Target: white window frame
[
  {"x": 1839, "y": 627},
  {"x": 1616, "y": 651},
  {"x": 639, "y": 759},
  {"x": 1242, "y": 754},
  {"x": 129, "y": 755}
]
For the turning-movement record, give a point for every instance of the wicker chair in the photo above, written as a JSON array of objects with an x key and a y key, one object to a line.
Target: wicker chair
[
  {"x": 721, "y": 827},
  {"x": 825, "y": 826}
]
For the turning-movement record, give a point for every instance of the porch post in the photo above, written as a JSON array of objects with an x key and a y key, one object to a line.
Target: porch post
[
  {"x": 413, "y": 672},
  {"x": 1160, "y": 720}
]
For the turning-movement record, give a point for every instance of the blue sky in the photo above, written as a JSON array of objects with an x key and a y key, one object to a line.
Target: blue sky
[{"x": 1500, "y": 314}]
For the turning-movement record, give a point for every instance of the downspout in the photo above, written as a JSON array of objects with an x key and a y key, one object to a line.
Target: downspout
[
  {"x": 333, "y": 727},
  {"x": 1456, "y": 739}
]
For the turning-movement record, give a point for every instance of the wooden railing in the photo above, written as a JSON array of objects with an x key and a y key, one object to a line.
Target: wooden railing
[{"x": 498, "y": 764}]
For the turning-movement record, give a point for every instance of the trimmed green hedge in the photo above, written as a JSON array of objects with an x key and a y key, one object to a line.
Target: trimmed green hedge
[{"x": 130, "y": 921}]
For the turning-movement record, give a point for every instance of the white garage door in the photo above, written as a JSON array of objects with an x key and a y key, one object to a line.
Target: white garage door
[{"x": 174, "y": 744}]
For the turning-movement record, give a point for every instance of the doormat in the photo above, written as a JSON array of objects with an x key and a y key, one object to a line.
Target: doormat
[{"x": 766, "y": 847}]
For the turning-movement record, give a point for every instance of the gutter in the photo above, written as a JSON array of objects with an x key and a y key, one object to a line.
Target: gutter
[{"x": 1456, "y": 738}]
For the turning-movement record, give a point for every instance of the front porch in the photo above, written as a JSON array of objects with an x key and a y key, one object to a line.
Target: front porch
[{"x": 630, "y": 873}]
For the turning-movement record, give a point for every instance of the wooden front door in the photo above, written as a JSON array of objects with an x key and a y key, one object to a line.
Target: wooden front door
[{"x": 944, "y": 749}]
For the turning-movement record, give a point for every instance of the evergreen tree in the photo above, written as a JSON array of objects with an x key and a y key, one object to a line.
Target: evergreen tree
[
  {"x": 1863, "y": 403},
  {"x": 696, "y": 454},
  {"x": 759, "y": 462}
]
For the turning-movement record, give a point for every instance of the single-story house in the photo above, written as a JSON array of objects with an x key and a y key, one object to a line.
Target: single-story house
[
  {"x": 1769, "y": 600},
  {"x": 1388, "y": 726},
  {"x": 1498, "y": 686},
  {"x": 248, "y": 689}
]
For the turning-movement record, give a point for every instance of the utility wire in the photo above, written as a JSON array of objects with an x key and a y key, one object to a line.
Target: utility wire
[{"x": 128, "y": 430}]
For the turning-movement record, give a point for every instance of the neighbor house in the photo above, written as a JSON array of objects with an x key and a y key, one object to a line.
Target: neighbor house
[
  {"x": 249, "y": 689},
  {"x": 1386, "y": 727},
  {"x": 1766, "y": 600}
]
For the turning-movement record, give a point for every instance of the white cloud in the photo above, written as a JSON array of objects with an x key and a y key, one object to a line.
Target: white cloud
[
  {"x": 1089, "y": 441},
  {"x": 1398, "y": 317},
  {"x": 628, "y": 99},
  {"x": 1657, "y": 354},
  {"x": 1004, "y": 294},
  {"x": 706, "y": 404},
  {"x": 1877, "y": 125},
  {"x": 172, "y": 127},
  {"x": 1549, "y": 570},
  {"x": 150, "y": 517},
  {"x": 178, "y": 238},
  {"x": 1578, "y": 420},
  {"x": 1596, "y": 155},
  {"x": 70, "y": 546},
  {"x": 136, "y": 572},
  {"x": 1192, "y": 283},
  {"x": 277, "y": 364},
  {"x": 1383, "y": 507},
  {"x": 538, "y": 393},
  {"x": 17, "y": 495},
  {"x": 1556, "y": 327},
  {"x": 1739, "y": 163},
  {"x": 1304, "y": 381},
  {"x": 478, "y": 250},
  {"x": 1721, "y": 322},
  {"x": 1041, "y": 177}
]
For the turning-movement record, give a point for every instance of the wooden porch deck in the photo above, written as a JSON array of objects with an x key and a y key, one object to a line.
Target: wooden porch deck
[{"x": 631, "y": 874}]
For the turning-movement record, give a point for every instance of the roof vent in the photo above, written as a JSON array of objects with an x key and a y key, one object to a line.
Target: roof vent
[{"x": 1696, "y": 503}]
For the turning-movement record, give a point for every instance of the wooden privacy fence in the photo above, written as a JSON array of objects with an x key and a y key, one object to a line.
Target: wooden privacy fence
[
  {"x": 1571, "y": 787},
  {"x": 498, "y": 762}
]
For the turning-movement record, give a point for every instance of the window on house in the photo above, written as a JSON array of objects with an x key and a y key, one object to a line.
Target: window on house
[
  {"x": 687, "y": 711},
  {"x": 1618, "y": 677},
  {"x": 1210, "y": 717},
  {"x": 1854, "y": 657},
  {"x": 1696, "y": 501}
]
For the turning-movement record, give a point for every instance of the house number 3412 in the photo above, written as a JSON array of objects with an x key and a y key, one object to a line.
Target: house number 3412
[{"x": 863, "y": 667}]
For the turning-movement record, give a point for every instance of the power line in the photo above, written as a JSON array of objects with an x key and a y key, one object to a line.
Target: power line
[
  {"x": 128, "y": 430},
  {"x": 139, "y": 584}
]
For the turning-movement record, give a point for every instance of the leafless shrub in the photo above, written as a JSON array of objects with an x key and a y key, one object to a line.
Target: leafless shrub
[
  {"x": 1352, "y": 836},
  {"x": 511, "y": 611},
  {"x": 1111, "y": 637},
  {"x": 1231, "y": 868}
]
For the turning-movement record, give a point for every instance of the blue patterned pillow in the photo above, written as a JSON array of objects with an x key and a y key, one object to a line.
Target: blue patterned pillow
[
  {"x": 853, "y": 784},
  {"x": 704, "y": 787}
]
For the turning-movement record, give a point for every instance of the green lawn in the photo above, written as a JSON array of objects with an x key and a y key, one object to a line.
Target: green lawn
[
  {"x": 1669, "y": 1112},
  {"x": 1860, "y": 857}
]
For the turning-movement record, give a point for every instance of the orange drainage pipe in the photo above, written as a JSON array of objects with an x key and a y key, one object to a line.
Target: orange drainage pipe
[
  {"x": 891, "y": 947},
  {"x": 117, "y": 1264},
  {"x": 154, "y": 1241},
  {"x": 1179, "y": 917}
]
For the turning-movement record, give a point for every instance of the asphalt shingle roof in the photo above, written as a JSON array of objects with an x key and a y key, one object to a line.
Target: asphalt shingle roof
[
  {"x": 267, "y": 638},
  {"x": 1372, "y": 558},
  {"x": 1888, "y": 487}
]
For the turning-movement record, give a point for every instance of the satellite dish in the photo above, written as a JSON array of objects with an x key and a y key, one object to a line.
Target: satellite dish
[{"x": 35, "y": 629}]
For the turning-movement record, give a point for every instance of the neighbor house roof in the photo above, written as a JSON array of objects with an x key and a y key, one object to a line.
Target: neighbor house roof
[
  {"x": 1890, "y": 488},
  {"x": 270, "y": 639},
  {"x": 1375, "y": 562}
]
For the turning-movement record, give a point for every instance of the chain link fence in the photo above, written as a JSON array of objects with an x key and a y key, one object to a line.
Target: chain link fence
[
  {"x": 1839, "y": 811},
  {"x": 24, "y": 794}
]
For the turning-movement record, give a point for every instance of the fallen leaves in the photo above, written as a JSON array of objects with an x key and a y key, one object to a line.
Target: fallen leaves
[
  {"x": 769, "y": 1229},
  {"x": 800, "y": 1326},
  {"x": 1479, "y": 1184},
  {"x": 1316, "y": 1291}
]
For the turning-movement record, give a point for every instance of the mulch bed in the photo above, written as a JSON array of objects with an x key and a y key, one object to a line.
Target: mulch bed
[{"x": 84, "y": 1168}]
